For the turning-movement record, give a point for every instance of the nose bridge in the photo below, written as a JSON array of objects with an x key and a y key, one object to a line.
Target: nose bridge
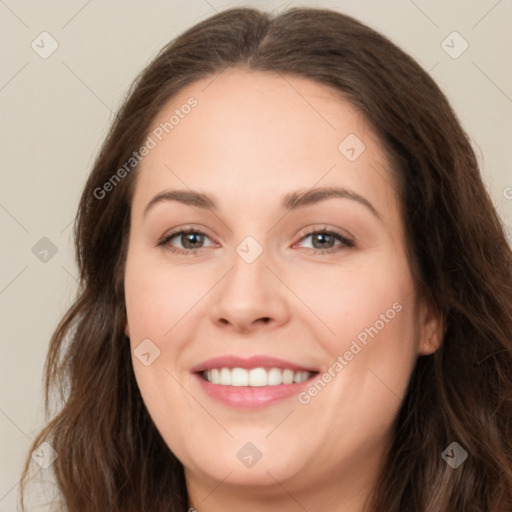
[
  {"x": 247, "y": 277},
  {"x": 249, "y": 291}
]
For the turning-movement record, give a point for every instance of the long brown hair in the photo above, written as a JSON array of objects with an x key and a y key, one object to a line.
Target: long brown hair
[{"x": 111, "y": 456}]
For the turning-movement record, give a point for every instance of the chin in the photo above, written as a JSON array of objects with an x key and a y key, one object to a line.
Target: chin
[{"x": 248, "y": 465}]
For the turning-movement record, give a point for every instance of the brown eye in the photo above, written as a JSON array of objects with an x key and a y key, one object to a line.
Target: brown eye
[
  {"x": 191, "y": 240},
  {"x": 188, "y": 240},
  {"x": 325, "y": 241}
]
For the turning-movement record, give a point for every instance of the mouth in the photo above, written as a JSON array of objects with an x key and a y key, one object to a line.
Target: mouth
[
  {"x": 252, "y": 382},
  {"x": 256, "y": 377}
]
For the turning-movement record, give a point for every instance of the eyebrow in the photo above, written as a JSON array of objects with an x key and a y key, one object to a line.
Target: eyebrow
[{"x": 291, "y": 201}]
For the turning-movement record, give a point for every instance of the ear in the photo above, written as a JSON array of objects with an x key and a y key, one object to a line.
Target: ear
[{"x": 432, "y": 328}]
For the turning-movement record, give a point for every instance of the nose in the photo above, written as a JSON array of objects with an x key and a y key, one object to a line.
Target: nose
[{"x": 250, "y": 297}]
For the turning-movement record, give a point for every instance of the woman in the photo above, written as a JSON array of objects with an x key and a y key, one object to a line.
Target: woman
[{"x": 295, "y": 291}]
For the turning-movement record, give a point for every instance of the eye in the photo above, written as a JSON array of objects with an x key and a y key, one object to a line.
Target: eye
[
  {"x": 324, "y": 241},
  {"x": 191, "y": 240}
]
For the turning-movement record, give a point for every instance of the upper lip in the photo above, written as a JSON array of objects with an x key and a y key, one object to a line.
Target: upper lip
[{"x": 256, "y": 361}]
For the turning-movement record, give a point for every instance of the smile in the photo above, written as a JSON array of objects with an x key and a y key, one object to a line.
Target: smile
[
  {"x": 252, "y": 382},
  {"x": 256, "y": 377}
]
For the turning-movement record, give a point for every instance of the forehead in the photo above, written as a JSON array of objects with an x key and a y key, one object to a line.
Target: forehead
[{"x": 251, "y": 133}]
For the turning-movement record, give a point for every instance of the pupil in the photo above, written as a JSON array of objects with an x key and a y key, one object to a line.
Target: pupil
[{"x": 192, "y": 238}]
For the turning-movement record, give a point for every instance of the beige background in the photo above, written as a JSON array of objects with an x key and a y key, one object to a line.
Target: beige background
[{"x": 56, "y": 111}]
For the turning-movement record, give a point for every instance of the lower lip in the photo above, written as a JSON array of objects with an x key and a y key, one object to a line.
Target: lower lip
[{"x": 248, "y": 396}]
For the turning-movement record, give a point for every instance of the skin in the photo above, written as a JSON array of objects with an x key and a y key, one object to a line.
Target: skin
[{"x": 252, "y": 138}]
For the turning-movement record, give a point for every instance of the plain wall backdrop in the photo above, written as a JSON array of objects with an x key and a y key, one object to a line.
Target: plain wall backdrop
[{"x": 56, "y": 109}]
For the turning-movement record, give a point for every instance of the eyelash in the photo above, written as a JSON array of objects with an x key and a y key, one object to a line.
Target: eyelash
[{"x": 345, "y": 242}]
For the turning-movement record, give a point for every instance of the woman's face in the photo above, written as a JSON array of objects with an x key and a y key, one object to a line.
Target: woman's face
[{"x": 274, "y": 344}]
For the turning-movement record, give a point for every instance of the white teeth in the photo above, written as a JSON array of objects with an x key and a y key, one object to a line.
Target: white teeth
[
  {"x": 275, "y": 377},
  {"x": 288, "y": 377},
  {"x": 256, "y": 377},
  {"x": 225, "y": 377},
  {"x": 301, "y": 376},
  {"x": 239, "y": 377}
]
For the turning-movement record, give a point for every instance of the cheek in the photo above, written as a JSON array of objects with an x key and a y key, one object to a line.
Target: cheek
[
  {"x": 158, "y": 299},
  {"x": 356, "y": 298},
  {"x": 159, "y": 296},
  {"x": 370, "y": 310},
  {"x": 163, "y": 303}
]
